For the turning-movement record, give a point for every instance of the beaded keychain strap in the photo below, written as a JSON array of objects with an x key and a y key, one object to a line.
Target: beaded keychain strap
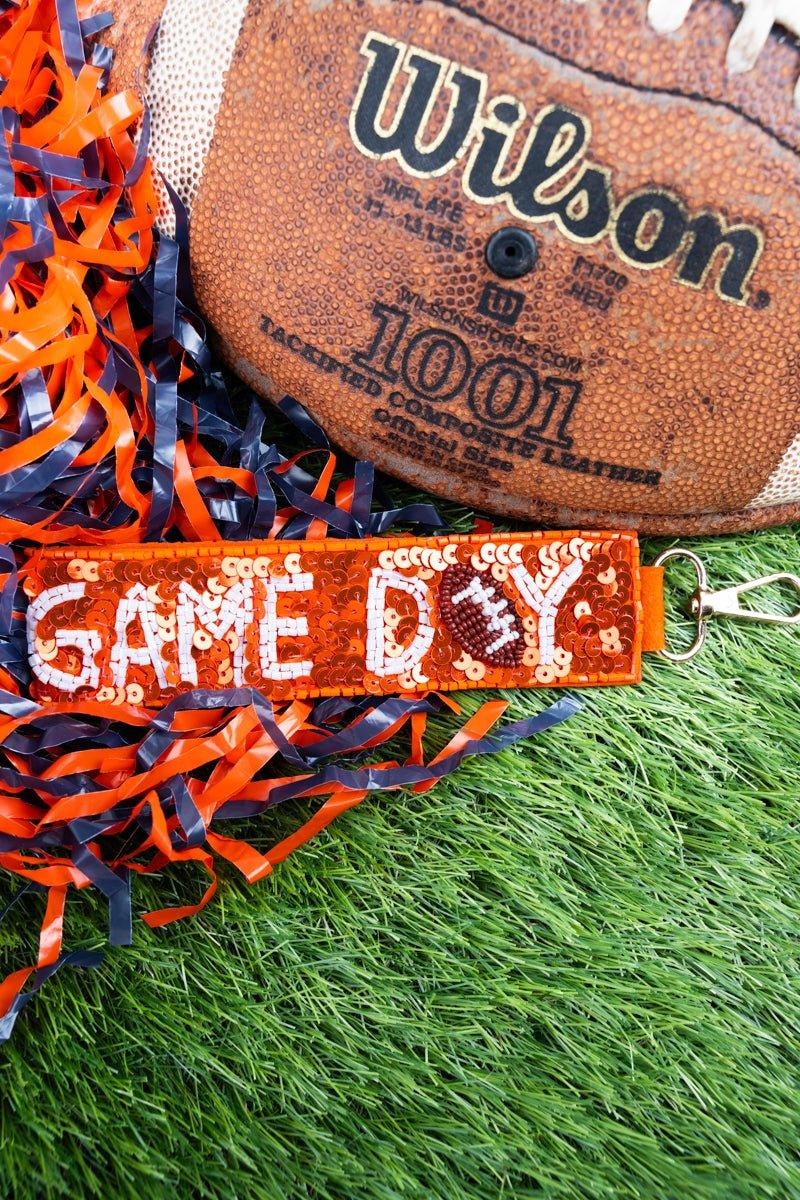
[{"x": 140, "y": 624}]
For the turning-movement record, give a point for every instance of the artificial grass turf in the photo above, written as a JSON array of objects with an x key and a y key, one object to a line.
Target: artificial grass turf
[{"x": 568, "y": 971}]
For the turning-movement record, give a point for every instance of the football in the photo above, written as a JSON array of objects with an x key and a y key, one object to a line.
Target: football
[
  {"x": 479, "y": 617},
  {"x": 542, "y": 258}
]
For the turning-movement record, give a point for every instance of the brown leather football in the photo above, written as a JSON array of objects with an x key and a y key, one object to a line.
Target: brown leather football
[{"x": 537, "y": 255}]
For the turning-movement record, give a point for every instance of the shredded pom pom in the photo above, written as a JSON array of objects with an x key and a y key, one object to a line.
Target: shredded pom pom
[{"x": 116, "y": 426}]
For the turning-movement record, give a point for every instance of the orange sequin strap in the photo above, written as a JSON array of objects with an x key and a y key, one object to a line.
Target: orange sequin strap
[{"x": 299, "y": 620}]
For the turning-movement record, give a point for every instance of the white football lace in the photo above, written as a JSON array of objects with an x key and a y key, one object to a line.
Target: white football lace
[{"x": 750, "y": 36}]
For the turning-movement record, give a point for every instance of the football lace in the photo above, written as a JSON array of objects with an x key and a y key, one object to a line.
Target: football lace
[{"x": 750, "y": 36}]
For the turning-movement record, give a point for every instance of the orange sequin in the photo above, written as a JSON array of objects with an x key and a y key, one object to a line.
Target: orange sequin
[{"x": 300, "y": 620}]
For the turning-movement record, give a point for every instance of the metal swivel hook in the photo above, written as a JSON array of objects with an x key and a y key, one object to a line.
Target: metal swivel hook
[{"x": 704, "y": 604}]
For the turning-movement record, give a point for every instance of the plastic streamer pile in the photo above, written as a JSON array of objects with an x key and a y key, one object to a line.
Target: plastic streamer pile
[{"x": 115, "y": 427}]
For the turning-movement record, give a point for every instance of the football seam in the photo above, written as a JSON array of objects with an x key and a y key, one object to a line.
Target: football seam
[
  {"x": 185, "y": 103},
  {"x": 609, "y": 77}
]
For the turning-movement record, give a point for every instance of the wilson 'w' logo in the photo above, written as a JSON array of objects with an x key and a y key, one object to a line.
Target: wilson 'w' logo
[{"x": 551, "y": 179}]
